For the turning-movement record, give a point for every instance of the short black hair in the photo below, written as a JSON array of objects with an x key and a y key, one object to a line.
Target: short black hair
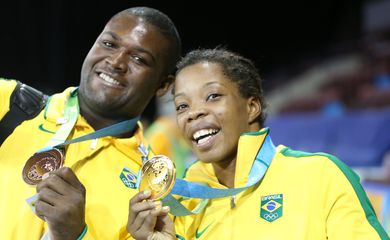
[
  {"x": 164, "y": 24},
  {"x": 235, "y": 67}
]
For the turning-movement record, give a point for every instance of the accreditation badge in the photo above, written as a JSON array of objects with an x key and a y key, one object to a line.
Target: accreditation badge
[
  {"x": 158, "y": 175},
  {"x": 41, "y": 163}
]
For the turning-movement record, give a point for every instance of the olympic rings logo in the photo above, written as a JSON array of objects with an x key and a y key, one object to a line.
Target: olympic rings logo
[
  {"x": 270, "y": 216},
  {"x": 125, "y": 181}
]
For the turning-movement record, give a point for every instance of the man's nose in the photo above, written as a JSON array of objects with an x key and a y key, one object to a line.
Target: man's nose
[{"x": 118, "y": 61}]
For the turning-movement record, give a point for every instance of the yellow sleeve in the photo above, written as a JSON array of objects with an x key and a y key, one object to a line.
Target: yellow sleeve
[
  {"x": 6, "y": 89},
  {"x": 186, "y": 226},
  {"x": 348, "y": 211},
  {"x": 179, "y": 228}
]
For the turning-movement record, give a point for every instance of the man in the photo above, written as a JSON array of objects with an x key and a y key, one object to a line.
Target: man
[{"x": 130, "y": 61}]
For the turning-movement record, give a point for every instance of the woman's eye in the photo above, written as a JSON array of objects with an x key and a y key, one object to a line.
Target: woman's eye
[
  {"x": 180, "y": 107},
  {"x": 213, "y": 96}
]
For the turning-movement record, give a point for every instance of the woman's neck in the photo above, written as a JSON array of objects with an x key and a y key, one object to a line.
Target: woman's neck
[{"x": 225, "y": 172}]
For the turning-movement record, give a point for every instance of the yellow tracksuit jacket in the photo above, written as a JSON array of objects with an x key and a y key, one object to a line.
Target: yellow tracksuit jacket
[
  {"x": 98, "y": 165},
  {"x": 302, "y": 196}
]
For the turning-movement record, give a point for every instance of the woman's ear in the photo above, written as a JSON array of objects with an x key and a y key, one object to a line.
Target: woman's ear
[
  {"x": 254, "y": 109},
  {"x": 165, "y": 85}
]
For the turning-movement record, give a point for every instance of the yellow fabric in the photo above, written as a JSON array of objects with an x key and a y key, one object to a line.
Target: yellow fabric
[
  {"x": 7, "y": 87},
  {"x": 319, "y": 201},
  {"x": 97, "y": 168}
]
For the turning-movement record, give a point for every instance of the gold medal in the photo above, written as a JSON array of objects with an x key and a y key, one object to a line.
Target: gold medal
[
  {"x": 158, "y": 176},
  {"x": 41, "y": 163}
]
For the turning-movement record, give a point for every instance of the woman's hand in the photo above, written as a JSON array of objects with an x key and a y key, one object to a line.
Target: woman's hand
[{"x": 148, "y": 220}]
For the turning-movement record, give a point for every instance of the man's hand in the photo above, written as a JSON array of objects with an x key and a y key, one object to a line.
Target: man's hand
[
  {"x": 148, "y": 220},
  {"x": 61, "y": 204}
]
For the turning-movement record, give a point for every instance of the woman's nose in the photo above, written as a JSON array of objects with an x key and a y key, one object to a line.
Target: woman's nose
[{"x": 195, "y": 114}]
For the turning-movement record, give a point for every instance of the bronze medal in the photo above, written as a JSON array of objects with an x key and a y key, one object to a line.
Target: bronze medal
[
  {"x": 158, "y": 176},
  {"x": 41, "y": 163}
]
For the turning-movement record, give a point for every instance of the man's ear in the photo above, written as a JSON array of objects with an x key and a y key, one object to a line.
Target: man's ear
[
  {"x": 165, "y": 85},
  {"x": 254, "y": 109}
]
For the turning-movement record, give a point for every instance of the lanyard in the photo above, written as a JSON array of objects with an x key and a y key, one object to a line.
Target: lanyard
[
  {"x": 71, "y": 113},
  {"x": 193, "y": 190}
]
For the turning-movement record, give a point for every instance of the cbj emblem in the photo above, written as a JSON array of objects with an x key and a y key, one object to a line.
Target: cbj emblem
[
  {"x": 271, "y": 207},
  {"x": 128, "y": 178}
]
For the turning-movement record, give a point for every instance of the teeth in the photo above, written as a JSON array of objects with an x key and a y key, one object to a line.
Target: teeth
[
  {"x": 203, "y": 132},
  {"x": 109, "y": 79}
]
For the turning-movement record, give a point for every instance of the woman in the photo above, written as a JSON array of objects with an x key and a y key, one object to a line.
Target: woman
[{"x": 220, "y": 111}]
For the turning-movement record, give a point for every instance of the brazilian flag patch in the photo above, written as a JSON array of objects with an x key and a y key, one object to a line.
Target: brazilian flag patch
[
  {"x": 271, "y": 207},
  {"x": 128, "y": 178}
]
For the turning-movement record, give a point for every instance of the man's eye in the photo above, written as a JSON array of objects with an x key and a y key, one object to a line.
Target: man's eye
[
  {"x": 139, "y": 59},
  {"x": 108, "y": 44}
]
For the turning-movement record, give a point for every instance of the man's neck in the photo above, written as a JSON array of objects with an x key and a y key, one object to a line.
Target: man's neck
[{"x": 98, "y": 122}]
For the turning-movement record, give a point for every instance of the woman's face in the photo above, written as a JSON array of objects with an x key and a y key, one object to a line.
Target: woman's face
[{"x": 211, "y": 113}]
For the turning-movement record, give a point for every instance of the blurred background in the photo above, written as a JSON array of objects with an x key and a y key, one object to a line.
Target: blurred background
[
  {"x": 44, "y": 42},
  {"x": 325, "y": 65}
]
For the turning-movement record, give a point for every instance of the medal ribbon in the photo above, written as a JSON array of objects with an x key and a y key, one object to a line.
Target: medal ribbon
[
  {"x": 71, "y": 113},
  {"x": 194, "y": 190}
]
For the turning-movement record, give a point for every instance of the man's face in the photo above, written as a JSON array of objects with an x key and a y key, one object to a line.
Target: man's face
[{"x": 124, "y": 68}]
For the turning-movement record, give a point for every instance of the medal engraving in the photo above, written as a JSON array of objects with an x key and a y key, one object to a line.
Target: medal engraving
[
  {"x": 158, "y": 176},
  {"x": 41, "y": 163}
]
